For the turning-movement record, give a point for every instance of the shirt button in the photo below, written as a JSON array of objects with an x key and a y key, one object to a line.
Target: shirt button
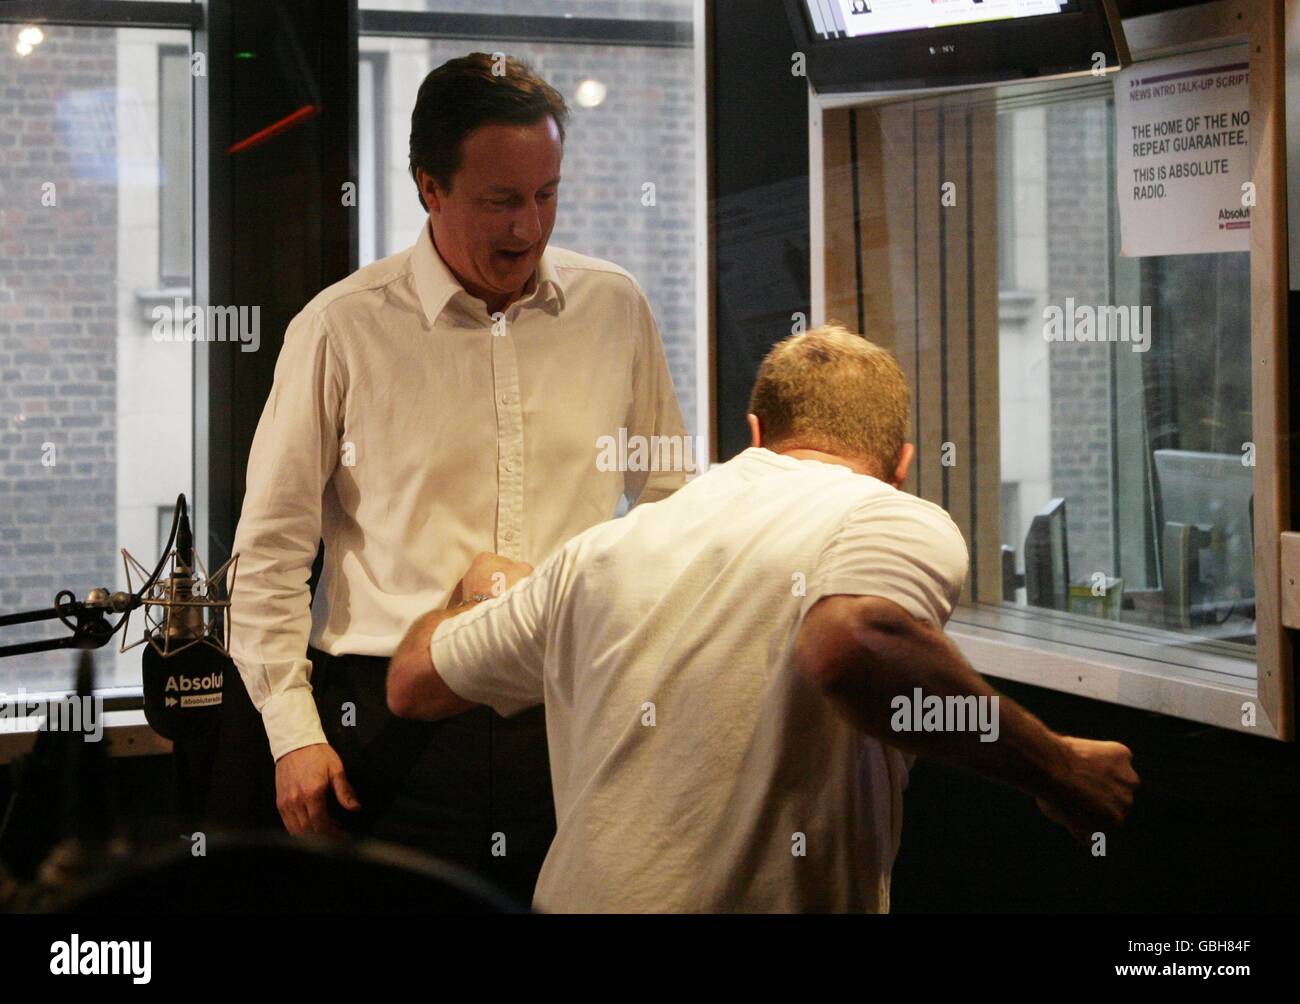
[{"x": 509, "y": 535}]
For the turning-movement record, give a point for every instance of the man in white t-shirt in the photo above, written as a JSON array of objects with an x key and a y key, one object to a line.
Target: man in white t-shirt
[{"x": 729, "y": 673}]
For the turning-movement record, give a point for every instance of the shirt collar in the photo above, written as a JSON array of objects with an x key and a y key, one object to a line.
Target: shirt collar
[
  {"x": 762, "y": 454},
  {"x": 548, "y": 279},
  {"x": 436, "y": 284}
]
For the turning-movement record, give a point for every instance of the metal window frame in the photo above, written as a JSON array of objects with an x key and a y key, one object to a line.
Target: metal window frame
[
  {"x": 104, "y": 13},
  {"x": 527, "y": 28},
  {"x": 393, "y": 23}
]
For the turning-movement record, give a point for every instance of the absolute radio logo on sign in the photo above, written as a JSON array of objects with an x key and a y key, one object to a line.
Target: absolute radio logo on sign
[{"x": 1237, "y": 218}]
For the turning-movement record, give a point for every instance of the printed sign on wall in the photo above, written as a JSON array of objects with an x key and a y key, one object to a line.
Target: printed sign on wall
[{"x": 1182, "y": 125}]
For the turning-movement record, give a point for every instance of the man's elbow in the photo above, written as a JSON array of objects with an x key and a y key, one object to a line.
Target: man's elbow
[
  {"x": 843, "y": 637},
  {"x": 832, "y": 670}
]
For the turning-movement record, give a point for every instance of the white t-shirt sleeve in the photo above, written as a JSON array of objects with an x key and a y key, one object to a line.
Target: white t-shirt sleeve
[
  {"x": 494, "y": 654},
  {"x": 897, "y": 547}
]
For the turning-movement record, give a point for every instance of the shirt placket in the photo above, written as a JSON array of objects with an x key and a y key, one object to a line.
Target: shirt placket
[{"x": 510, "y": 445}]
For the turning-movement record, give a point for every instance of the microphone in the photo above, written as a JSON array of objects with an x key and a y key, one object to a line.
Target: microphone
[{"x": 186, "y": 658}]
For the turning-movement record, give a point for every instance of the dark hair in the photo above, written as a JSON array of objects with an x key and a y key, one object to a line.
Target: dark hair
[{"x": 463, "y": 94}]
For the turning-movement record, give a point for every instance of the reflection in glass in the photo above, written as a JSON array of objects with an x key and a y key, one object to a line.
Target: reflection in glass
[{"x": 1126, "y": 458}]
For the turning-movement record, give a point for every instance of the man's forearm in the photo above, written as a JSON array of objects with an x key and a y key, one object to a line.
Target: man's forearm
[
  {"x": 414, "y": 688},
  {"x": 864, "y": 665},
  {"x": 270, "y": 623}
]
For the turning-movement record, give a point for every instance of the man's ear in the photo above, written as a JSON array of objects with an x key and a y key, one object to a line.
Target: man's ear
[
  {"x": 429, "y": 190},
  {"x": 905, "y": 456},
  {"x": 755, "y": 430}
]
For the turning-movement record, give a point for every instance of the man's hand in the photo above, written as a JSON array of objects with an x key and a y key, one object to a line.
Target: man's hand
[
  {"x": 1098, "y": 790},
  {"x": 491, "y": 575},
  {"x": 414, "y": 688},
  {"x": 302, "y": 780}
]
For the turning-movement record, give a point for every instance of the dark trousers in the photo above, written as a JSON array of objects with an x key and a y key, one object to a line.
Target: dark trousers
[
  {"x": 460, "y": 789},
  {"x": 473, "y": 789}
]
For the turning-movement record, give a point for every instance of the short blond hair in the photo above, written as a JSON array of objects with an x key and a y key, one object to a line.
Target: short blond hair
[{"x": 832, "y": 390}]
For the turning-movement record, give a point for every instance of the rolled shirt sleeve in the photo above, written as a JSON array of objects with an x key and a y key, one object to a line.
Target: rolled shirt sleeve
[
  {"x": 495, "y": 654},
  {"x": 295, "y": 452},
  {"x": 900, "y": 548},
  {"x": 654, "y": 410}
]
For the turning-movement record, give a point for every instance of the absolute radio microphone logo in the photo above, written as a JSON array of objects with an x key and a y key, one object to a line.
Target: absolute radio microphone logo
[
  {"x": 192, "y": 691},
  {"x": 186, "y": 617}
]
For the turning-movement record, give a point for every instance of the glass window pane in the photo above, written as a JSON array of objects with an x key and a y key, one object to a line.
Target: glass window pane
[
  {"x": 1133, "y": 444},
  {"x": 628, "y": 193},
  {"x": 96, "y": 214},
  {"x": 1085, "y": 417}
]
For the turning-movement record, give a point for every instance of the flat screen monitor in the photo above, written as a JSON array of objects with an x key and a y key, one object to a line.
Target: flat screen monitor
[
  {"x": 1047, "y": 559},
  {"x": 870, "y": 45},
  {"x": 1214, "y": 491}
]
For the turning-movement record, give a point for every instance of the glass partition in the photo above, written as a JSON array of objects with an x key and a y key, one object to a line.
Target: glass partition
[
  {"x": 1126, "y": 460},
  {"x": 629, "y": 188}
]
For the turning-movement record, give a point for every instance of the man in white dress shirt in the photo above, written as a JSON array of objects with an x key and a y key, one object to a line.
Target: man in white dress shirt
[
  {"x": 443, "y": 401},
  {"x": 722, "y": 671}
]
